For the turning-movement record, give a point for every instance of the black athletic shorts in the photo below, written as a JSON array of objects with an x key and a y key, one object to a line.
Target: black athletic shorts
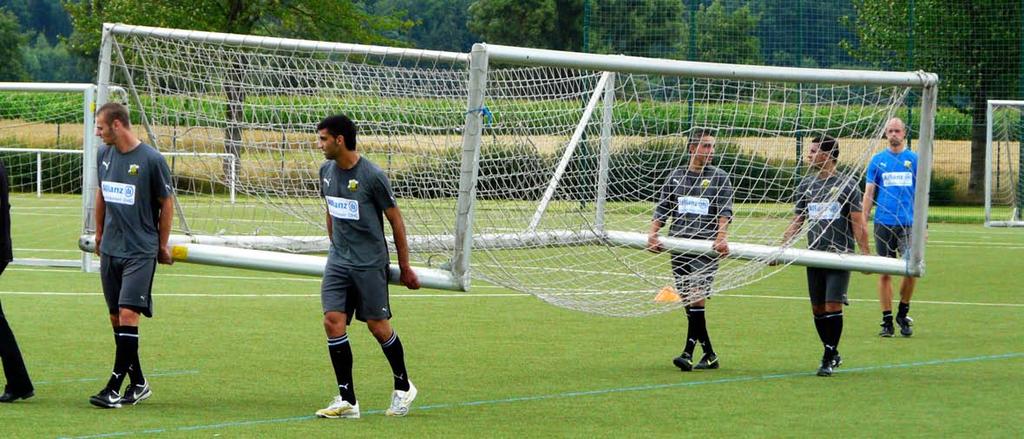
[
  {"x": 892, "y": 241},
  {"x": 827, "y": 285},
  {"x": 363, "y": 292},
  {"x": 694, "y": 273},
  {"x": 128, "y": 283}
]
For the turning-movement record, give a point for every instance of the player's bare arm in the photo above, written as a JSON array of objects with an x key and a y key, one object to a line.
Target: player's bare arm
[{"x": 408, "y": 276}]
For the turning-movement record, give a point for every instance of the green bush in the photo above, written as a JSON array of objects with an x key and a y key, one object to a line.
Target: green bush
[{"x": 943, "y": 191}]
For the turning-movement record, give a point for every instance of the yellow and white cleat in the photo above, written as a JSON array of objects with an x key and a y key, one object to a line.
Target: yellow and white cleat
[{"x": 339, "y": 408}]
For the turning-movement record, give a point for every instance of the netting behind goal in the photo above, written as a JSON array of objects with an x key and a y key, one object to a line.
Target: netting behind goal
[
  {"x": 1004, "y": 178},
  {"x": 564, "y": 163},
  {"x": 42, "y": 130}
]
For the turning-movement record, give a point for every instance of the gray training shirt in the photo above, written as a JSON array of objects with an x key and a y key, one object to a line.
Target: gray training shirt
[
  {"x": 695, "y": 201},
  {"x": 356, "y": 200},
  {"x": 132, "y": 185},
  {"x": 826, "y": 204}
]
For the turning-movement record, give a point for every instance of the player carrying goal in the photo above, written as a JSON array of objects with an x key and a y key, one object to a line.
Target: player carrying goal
[{"x": 698, "y": 200}]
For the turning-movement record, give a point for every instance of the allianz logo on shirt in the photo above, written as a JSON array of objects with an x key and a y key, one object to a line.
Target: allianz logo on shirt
[
  {"x": 118, "y": 193},
  {"x": 343, "y": 208},
  {"x": 897, "y": 179}
]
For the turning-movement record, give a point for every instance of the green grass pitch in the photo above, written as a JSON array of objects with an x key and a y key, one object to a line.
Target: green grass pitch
[{"x": 235, "y": 353}]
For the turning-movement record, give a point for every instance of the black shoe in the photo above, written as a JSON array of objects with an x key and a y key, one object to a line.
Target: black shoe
[
  {"x": 826, "y": 367},
  {"x": 887, "y": 330},
  {"x": 684, "y": 362},
  {"x": 11, "y": 396},
  {"x": 136, "y": 393},
  {"x": 837, "y": 361},
  {"x": 708, "y": 361},
  {"x": 108, "y": 399},
  {"x": 905, "y": 324}
]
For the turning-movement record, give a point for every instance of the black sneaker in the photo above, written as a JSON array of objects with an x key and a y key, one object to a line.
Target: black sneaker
[
  {"x": 708, "y": 361},
  {"x": 905, "y": 324},
  {"x": 136, "y": 393},
  {"x": 837, "y": 361},
  {"x": 107, "y": 398},
  {"x": 887, "y": 330},
  {"x": 826, "y": 367},
  {"x": 684, "y": 362}
]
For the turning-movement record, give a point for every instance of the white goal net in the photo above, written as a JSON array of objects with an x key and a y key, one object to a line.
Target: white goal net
[
  {"x": 1004, "y": 178},
  {"x": 536, "y": 171}
]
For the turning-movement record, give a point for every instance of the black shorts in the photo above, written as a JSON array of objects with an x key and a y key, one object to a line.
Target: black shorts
[
  {"x": 362, "y": 292},
  {"x": 827, "y": 285},
  {"x": 892, "y": 241},
  {"x": 694, "y": 273},
  {"x": 128, "y": 283}
]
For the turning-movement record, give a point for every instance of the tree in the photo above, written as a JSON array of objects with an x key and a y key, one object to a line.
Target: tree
[
  {"x": 544, "y": 24},
  {"x": 650, "y": 28},
  {"x": 11, "y": 67},
  {"x": 439, "y": 24},
  {"x": 974, "y": 47},
  {"x": 311, "y": 19},
  {"x": 728, "y": 37}
]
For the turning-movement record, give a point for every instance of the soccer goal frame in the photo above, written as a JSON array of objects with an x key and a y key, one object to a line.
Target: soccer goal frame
[
  {"x": 464, "y": 240},
  {"x": 88, "y": 152},
  {"x": 992, "y": 166}
]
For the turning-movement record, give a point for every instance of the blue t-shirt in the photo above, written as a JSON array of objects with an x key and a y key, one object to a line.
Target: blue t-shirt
[{"x": 895, "y": 180}]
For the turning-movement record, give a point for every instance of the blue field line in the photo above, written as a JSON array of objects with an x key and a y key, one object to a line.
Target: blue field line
[
  {"x": 1011, "y": 355},
  {"x": 169, "y": 373}
]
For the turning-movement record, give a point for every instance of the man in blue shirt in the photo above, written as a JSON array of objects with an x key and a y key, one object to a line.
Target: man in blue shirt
[{"x": 892, "y": 175}]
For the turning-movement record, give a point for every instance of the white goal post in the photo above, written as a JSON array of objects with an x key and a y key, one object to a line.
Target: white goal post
[
  {"x": 1004, "y": 177},
  {"x": 532, "y": 169}
]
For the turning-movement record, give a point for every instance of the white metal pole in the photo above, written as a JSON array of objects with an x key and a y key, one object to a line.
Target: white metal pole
[
  {"x": 915, "y": 264},
  {"x": 603, "y": 158},
  {"x": 89, "y": 181},
  {"x": 39, "y": 175},
  {"x": 577, "y": 134},
  {"x": 233, "y": 177},
  {"x": 470, "y": 165},
  {"x": 988, "y": 162}
]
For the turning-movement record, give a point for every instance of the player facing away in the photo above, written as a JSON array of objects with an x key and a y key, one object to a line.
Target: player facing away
[
  {"x": 892, "y": 179},
  {"x": 831, "y": 206},
  {"x": 355, "y": 280},
  {"x": 19, "y": 385},
  {"x": 698, "y": 201},
  {"x": 134, "y": 210}
]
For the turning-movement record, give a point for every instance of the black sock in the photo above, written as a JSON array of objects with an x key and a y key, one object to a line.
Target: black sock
[
  {"x": 904, "y": 308},
  {"x": 341, "y": 359},
  {"x": 134, "y": 369},
  {"x": 887, "y": 317},
  {"x": 835, "y": 329},
  {"x": 819, "y": 325},
  {"x": 127, "y": 349},
  {"x": 702, "y": 331},
  {"x": 396, "y": 356},
  {"x": 692, "y": 329}
]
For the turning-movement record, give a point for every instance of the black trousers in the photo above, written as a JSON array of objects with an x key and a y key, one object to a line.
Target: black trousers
[{"x": 14, "y": 365}]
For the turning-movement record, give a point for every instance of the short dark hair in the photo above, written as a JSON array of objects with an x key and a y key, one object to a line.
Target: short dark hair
[
  {"x": 340, "y": 125},
  {"x": 827, "y": 144},
  {"x": 697, "y": 134},
  {"x": 115, "y": 111}
]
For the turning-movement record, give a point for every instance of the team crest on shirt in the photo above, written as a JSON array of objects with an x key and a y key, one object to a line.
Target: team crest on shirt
[
  {"x": 133, "y": 169},
  {"x": 353, "y": 185},
  {"x": 833, "y": 190},
  {"x": 906, "y": 164},
  {"x": 705, "y": 183}
]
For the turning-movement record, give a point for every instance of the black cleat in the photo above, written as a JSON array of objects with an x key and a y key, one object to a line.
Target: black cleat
[
  {"x": 11, "y": 395},
  {"x": 826, "y": 367},
  {"x": 887, "y": 330},
  {"x": 136, "y": 393},
  {"x": 708, "y": 361},
  {"x": 684, "y": 362},
  {"x": 905, "y": 324},
  {"x": 837, "y": 361},
  {"x": 107, "y": 398}
]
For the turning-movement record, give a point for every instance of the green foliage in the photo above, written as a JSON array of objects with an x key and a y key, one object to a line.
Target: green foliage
[
  {"x": 546, "y": 24},
  {"x": 728, "y": 37},
  {"x": 327, "y": 21},
  {"x": 943, "y": 191},
  {"x": 54, "y": 63},
  {"x": 437, "y": 24},
  {"x": 45, "y": 17},
  {"x": 651, "y": 28},
  {"x": 11, "y": 69}
]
